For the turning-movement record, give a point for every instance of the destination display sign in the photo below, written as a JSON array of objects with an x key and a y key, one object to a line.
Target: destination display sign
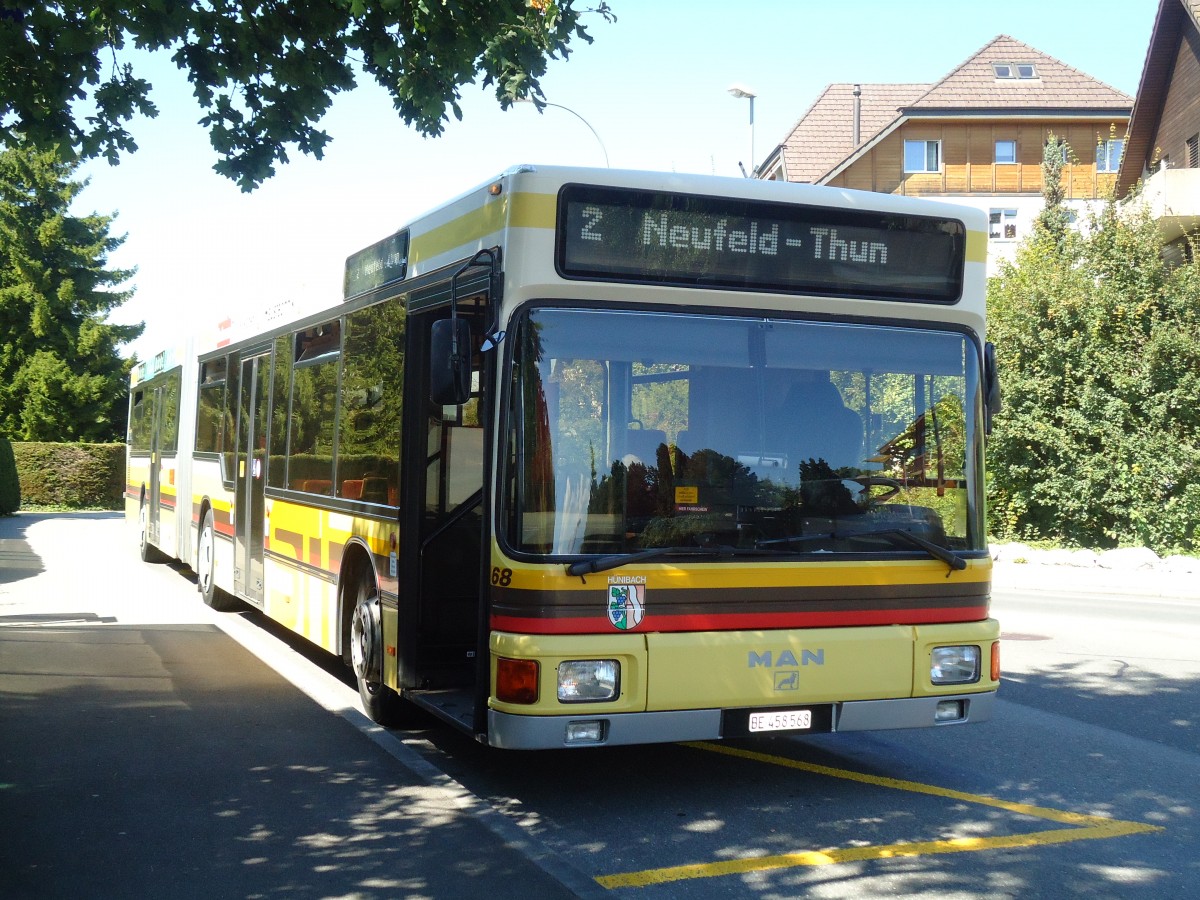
[
  {"x": 375, "y": 266},
  {"x": 682, "y": 239}
]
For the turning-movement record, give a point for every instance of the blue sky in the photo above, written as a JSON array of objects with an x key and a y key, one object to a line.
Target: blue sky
[{"x": 653, "y": 86}]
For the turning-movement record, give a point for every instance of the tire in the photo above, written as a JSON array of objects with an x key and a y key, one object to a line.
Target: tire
[
  {"x": 382, "y": 704},
  {"x": 206, "y": 580},
  {"x": 147, "y": 551}
]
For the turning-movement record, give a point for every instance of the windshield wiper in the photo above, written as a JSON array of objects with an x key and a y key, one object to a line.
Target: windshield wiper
[
  {"x": 712, "y": 551},
  {"x": 934, "y": 550}
]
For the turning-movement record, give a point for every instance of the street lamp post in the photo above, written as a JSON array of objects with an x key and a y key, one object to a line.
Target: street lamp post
[
  {"x": 603, "y": 149},
  {"x": 744, "y": 93}
]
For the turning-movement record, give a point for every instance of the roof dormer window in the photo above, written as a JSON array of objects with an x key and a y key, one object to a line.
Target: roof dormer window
[{"x": 1014, "y": 70}]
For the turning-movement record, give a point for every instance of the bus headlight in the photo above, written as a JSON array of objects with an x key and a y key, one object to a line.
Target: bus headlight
[
  {"x": 954, "y": 665},
  {"x": 588, "y": 680}
]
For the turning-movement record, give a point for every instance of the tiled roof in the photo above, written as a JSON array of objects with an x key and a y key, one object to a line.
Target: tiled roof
[
  {"x": 974, "y": 85},
  {"x": 822, "y": 141},
  {"x": 824, "y": 136}
]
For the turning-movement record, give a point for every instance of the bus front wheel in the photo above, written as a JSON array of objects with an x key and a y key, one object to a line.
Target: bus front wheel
[{"x": 380, "y": 702}]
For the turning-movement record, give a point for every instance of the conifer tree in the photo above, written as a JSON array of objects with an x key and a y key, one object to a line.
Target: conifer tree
[
  {"x": 61, "y": 374},
  {"x": 10, "y": 485}
]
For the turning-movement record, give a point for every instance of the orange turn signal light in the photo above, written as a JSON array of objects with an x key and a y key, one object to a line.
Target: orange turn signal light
[
  {"x": 996, "y": 661},
  {"x": 517, "y": 680}
]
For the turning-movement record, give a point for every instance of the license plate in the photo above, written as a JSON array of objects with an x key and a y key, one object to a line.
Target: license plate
[{"x": 781, "y": 720}]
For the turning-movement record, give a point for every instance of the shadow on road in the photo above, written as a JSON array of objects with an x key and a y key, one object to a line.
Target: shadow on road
[
  {"x": 173, "y": 761},
  {"x": 1129, "y": 699},
  {"x": 18, "y": 560}
]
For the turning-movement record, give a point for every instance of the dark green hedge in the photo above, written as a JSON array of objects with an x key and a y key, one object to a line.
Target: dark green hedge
[
  {"x": 10, "y": 486},
  {"x": 75, "y": 476}
]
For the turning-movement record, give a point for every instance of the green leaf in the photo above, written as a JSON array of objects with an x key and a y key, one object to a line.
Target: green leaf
[{"x": 266, "y": 73}]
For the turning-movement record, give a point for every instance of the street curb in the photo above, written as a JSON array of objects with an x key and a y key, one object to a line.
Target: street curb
[{"x": 1072, "y": 579}]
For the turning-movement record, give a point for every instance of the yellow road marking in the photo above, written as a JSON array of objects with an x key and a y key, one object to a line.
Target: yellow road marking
[{"x": 1084, "y": 828}]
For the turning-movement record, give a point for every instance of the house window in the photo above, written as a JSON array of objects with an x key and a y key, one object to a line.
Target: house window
[
  {"x": 1015, "y": 70},
  {"x": 1108, "y": 155},
  {"x": 1006, "y": 152},
  {"x": 1002, "y": 224},
  {"x": 922, "y": 156},
  {"x": 1193, "y": 151}
]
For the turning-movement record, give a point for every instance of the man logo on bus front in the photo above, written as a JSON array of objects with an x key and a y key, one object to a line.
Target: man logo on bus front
[{"x": 626, "y": 605}]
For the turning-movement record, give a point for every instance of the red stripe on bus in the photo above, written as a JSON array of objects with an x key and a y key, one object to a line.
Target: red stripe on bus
[{"x": 747, "y": 622}]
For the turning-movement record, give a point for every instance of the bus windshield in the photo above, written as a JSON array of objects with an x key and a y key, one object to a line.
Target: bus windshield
[{"x": 630, "y": 431}]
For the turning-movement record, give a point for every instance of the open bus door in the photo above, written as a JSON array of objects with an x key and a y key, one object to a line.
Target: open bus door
[
  {"x": 447, "y": 448},
  {"x": 442, "y": 565}
]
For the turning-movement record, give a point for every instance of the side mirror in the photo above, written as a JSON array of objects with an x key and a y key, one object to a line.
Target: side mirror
[
  {"x": 450, "y": 362},
  {"x": 991, "y": 385}
]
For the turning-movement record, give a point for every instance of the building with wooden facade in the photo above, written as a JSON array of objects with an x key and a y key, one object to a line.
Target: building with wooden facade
[
  {"x": 976, "y": 136},
  {"x": 1163, "y": 154}
]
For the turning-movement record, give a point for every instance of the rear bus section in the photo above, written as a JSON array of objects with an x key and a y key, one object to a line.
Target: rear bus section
[{"x": 158, "y": 453}]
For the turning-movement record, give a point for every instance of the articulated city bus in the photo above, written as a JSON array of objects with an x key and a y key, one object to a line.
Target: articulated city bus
[{"x": 588, "y": 458}]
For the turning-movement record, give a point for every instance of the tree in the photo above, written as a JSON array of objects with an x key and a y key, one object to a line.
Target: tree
[
  {"x": 61, "y": 374},
  {"x": 1098, "y": 343},
  {"x": 10, "y": 484},
  {"x": 1054, "y": 220},
  {"x": 266, "y": 71}
]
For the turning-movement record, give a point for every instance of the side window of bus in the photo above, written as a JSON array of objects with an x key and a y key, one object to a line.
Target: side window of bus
[
  {"x": 141, "y": 419},
  {"x": 281, "y": 385},
  {"x": 170, "y": 413},
  {"x": 210, "y": 414},
  {"x": 229, "y": 414},
  {"x": 368, "y": 459},
  {"x": 314, "y": 408}
]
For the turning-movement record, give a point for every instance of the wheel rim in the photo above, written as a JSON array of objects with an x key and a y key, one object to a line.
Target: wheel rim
[
  {"x": 205, "y": 561},
  {"x": 364, "y": 640}
]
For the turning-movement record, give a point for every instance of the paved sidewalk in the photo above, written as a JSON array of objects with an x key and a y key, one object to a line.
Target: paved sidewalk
[{"x": 1133, "y": 571}]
